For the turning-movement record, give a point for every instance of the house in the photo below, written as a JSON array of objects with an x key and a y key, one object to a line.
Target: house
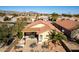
[
  {"x": 27, "y": 19},
  {"x": 10, "y": 17},
  {"x": 39, "y": 29},
  {"x": 74, "y": 18},
  {"x": 66, "y": 26},
  {"x": 43, "y": 18},
  {"x": 10, "y": 22},
  {"x": 62, "y": 17},
  {"x": 69, "y": 18},
  {"x": 1, "y": 19}
]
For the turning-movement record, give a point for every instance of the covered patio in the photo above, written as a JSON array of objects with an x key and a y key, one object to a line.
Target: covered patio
[{"x": 30, "y": 35}]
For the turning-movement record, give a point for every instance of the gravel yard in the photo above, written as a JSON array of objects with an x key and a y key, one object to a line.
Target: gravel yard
[{"x": 38, "y": 47}]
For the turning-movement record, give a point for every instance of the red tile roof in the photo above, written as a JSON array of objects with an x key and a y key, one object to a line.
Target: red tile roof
[
  {"x": 48, "y": 26},
  {"x": 68, "y": 24}
]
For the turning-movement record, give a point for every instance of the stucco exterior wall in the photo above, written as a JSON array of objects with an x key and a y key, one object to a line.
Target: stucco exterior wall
[{"x": 44, "y": 36}]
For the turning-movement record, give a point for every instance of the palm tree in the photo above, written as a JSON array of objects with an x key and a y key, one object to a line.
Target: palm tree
[
  {"x": 17, "y": 28},
  {"x": 55, "y": 37}
]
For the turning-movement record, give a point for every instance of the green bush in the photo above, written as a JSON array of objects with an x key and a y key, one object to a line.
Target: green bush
[
  {"x": 20, "y": 35},
  {"x": 33, "y": 45},
  {"x": 55, "y": 36},
  {"x": 32, "y": 36}
]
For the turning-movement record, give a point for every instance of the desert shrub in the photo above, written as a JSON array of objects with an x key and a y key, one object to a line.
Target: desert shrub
[
  {"x": 33, "y": 45},
  {"x": 20, "y": 35}
]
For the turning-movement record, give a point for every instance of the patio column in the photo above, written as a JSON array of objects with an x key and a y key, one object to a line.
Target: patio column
[
  {"x": 23, "y": 34},
  {"x": 40, "y": 38}
]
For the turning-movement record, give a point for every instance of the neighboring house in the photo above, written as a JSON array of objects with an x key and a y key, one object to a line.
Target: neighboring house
[
  {"x": 10, "y": 16},
  {"x": 27, "y": 19},
  {"x": 74, "y": 18},
  {"x": 66, "y": 26},
  {"x": 68, "y": 18},
  {"x": 33, "y": 18},
  {"x": 39, "y": 29},
  {"x": 13, "y": 19},
  {"x": 8, "y": 22},
  {"x": 43, "y": 18},
  {"x": 63, "y": 18},
  {"x": 75, "y": 34},
  {"x": 1, "y": 19}
]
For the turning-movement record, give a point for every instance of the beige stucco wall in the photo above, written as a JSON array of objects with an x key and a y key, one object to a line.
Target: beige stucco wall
[{"x": 45, "y": 37}]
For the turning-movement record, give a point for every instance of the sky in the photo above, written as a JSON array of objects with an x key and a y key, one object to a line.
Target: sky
[{"x": 43, "y": 9}]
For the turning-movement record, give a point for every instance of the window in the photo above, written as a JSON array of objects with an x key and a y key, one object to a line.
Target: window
[
  {"x": 62, "y": 30},
  {"x": 41, "y": 37},
  {"x": 47, "y": 35}
]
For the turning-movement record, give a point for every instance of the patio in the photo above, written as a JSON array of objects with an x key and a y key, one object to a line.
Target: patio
[{"x": 31, "y": 45}]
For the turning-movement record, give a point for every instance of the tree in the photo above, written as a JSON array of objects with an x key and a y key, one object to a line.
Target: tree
[
  {"x": 67, "y": 15},
  {"x": 54, "y": 16},
  {"x": 15, "y": 15},
  {"x": 24, "y": 19},
  {"x": 76, "y": 15},
  {"x": 18, "y": 27},
  {"x": 20, "y": 35},
  {"x": 2, "y": 14},
  {"x": 4, "y": 32},
  {"x": 55, "y": 36}
]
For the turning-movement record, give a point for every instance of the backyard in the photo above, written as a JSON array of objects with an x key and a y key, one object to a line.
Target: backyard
[{"x": 31, "y": 45}]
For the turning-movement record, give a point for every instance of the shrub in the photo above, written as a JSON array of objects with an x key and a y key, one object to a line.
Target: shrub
[
  {"x": 20, "y": 35},
  {"x": 33, "y": 45},
  {"x": 56, "y": 36},
  {"x": 32, "y": 36}
]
